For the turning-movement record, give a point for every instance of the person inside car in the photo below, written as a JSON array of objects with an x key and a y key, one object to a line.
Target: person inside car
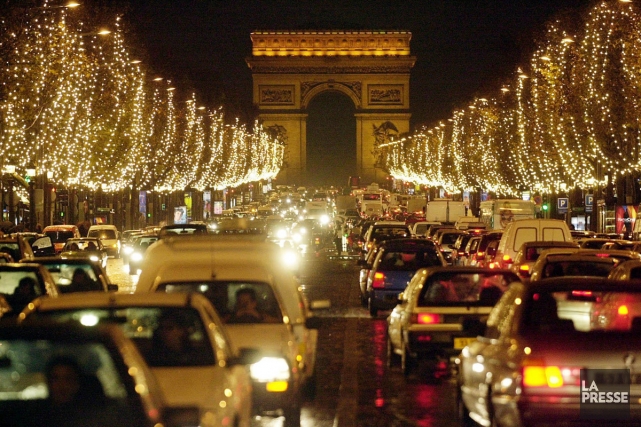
[{"x": 246, "y": 309}]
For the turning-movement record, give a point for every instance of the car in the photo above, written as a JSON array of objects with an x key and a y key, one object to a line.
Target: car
[
  {"x": 527, "y": 230},
  {"x": 435, "y": 316},
  {"x": 458, "y": 251},
  {"x": 140, "y": 246},
  {"x": 183, "y": 230},
  {"x": 581, "y": 262},
  {"x": 60, "y": 233},
  {"x": 582, "y": 234},
  {"x": 21, "y": 283},
  {"x": 626, "y": 270},
  {"x": 182, "y": 340},
  {"x": 49, "y": 362},
  {"x": 109, "y": 236},
  {"x": 593, "y": 242},
  {"x": 529, "y": 252},
  {"x": 434, "y": 228},
  {"x": 222, "y": 266},
  {"x": 626, "y": 245},
  {"x": 19, "y": 248},
  {"x": 466, "y": 257},
  {"x": 365, "y": 267},
  {"x": 5, "y": 258},
  {"x": 419, "y": 228},
  {"x": 394, "y": 266},
  {"x": 386, "y": 230},
  {"x": 126, "y": 244},
  {"x": 477, "y": 257},
  {"x": 63, "y": 272},
  {"x": 90, "y": 248},
  {"x": 526, "y": 367},
  {"x": 445, "y": 241}
]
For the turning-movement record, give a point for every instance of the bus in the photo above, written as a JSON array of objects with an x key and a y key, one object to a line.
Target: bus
[{"x": 498, "y": 213}]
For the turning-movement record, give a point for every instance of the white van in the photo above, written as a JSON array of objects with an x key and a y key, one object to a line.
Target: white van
[
  {"x": 219, "y": 267},
  {"x": 529, "y": 230},
  {"x": 109, "y": 236},
  {"x": 445, "y": 211},
  {"x": 498, "y": 213}
]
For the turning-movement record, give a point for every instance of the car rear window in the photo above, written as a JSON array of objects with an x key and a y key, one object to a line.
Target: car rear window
[
  {"x": 551, "y": 312},
  {"x": 408, "y": 260},
  {"x": 147, "y": 327},
  {"x": 579, "y": 268},
  {"x": 462, "y": 288},
  {"x": 60, "y": 236},
  {"x": 62, "y": 274},
  {"x": 223, "y": 295},
  {"x": 12, "y": 249},
  {"x": 103, "y": 234}
]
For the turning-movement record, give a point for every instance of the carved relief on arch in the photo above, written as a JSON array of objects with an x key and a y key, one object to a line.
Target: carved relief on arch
[{"x": 353, "y": 89}]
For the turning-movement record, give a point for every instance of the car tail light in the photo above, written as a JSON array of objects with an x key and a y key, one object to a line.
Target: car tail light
[
  {"x": 602, "y": 255},
  {"x": 550, "y": 376},
  {"x": 461, "y": 253},
  {"x": 623, "y": 310},
  {"x": 524, "y": 268},
  {"x": 480, "y": 255},
  {"x": 582, "y": 294},
  {"x": 379, "y": 280},
  {"x": 507, "y": 259},
  {"x": 426, "y": 318}
]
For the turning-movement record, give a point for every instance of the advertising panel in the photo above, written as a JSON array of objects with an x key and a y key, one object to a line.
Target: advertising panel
[
  {"x": 180, "y": 215},
  {"x": 188, "y": 205},
  {"x": 626, "y": 216},
  {"x": 206, "y": 205}
]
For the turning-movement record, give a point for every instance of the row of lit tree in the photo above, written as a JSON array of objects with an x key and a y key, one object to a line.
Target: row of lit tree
[
  {"x": 81, "y": 107},
  {"x": 569, "y": 119}
]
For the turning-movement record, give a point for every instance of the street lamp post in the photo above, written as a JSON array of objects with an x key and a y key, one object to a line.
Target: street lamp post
[
  {"x": 31, "y": 173},
  {"x": 10, "y": 170}
]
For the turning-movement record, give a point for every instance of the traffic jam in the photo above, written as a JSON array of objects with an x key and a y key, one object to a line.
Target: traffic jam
[{"x": 211, "y": 323}]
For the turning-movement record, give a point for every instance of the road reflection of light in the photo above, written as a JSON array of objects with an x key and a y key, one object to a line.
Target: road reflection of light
[
  {"x": 379, "y": 402},
  {"x": 380, "y": 353},
  {"x": 427, "y": 396}
]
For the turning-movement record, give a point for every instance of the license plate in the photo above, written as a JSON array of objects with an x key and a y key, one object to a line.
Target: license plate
[{"x": 460, "y": 343}]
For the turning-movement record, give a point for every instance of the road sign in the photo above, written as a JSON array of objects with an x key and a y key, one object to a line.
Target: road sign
[
  {"x": 589, "y": 202},
  {"x": 562, "y": 204}
]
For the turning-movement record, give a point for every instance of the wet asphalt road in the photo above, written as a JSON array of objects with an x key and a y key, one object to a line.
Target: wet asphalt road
[{"x": 355, "y": 387}]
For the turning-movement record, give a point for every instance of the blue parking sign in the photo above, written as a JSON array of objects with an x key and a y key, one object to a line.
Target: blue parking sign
[
  {"x": 562, "y": 204},
  {"x": 589, "y": 202}
]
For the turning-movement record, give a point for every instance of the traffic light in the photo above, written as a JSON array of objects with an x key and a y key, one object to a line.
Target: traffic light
[{"x": 545, "y": 207}]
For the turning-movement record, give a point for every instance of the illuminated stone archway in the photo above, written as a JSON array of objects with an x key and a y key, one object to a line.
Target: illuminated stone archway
[{"x": 289, "y": 68}]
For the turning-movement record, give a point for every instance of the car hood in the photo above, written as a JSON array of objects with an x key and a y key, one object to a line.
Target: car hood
[
  {"x": 270, "y": 338},
  {"x": 191, "y": 385}
]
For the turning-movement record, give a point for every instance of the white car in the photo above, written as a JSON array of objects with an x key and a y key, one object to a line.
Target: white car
[
  {"x": 182, "y": 340},
  {"x": 221, "y": 267}
]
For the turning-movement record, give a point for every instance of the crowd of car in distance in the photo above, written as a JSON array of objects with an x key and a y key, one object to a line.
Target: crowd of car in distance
[{"x": 217, "y": 329}]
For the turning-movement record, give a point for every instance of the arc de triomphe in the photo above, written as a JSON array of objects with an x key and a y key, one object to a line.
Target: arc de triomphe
[{"x": 289, "y": 68}]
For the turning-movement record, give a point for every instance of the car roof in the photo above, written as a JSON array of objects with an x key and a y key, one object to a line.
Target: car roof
[
  {"x": 59, "y": 228},
  {"x": 549, "y": 243},
  {"x": 104, "y": 299},
  {"x": 591, "y": 282}
]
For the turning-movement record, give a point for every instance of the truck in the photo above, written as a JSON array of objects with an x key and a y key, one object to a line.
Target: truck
[
  {"x": 445, "y": 211},
  {"x": 416, "y": 204},
  {"x": 345, "y": 203},
  {"x": 498, "y": 213},
  {"x": 372, "y": 202}
]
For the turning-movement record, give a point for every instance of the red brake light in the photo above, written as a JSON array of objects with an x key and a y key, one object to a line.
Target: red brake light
[
  {"x": 480, "y": 254},
  {"x": 524, "y": 268},
  {"x": 427, "y": 318},
  {"x": 379, "y": 280},
  {"x": 602, "y": 255},
  {"x": 582, "y": 293},
  {"x": 623, "y": 310}
]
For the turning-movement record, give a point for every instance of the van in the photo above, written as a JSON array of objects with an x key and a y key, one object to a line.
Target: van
[
  {"x": 529, "y": 230},
  {"x": 109, "y": 236},
  {"x": 445, "y": 211},
  {"x": 60, "y": 233}
]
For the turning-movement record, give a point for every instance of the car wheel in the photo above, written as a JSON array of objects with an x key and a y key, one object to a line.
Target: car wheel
[
  {"x": 292, "y": 416},
  {"x": 373, "y": 311},
  {"x": 391, "y": 356},
  {"x": 309, "y": 388},
  {"x": 363, "y": 300}
]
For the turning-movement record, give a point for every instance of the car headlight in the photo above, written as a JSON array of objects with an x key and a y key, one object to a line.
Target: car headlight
[
  {"x": 128, "y": 250},
  {"x": 281, "y": 234},
  {"x": 324, "y": 219},
  {"x": 269, "y": 369},
  {"x": 297, "y": 237},
  {"x": 94, "y": 258},
  {"x": 136, "y": 256},
  {"x": 290, "y": 259}
]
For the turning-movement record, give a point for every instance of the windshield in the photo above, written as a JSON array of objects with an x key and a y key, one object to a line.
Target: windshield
[
  {"x": 12, "y": 249},
  {"x": 462, "y": 289},
  {"x": 408, "y": 260},
  {"x": 63, "y": 275},
  {"x": 103, "y": 234},
  {"x": 235, "y": 301},
  {"x": 166, "y": 336}
]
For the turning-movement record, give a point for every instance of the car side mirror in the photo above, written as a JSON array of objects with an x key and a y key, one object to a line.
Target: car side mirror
[
  {"x": 178, "y": 416},
  {"x": 112, "y": 287}
]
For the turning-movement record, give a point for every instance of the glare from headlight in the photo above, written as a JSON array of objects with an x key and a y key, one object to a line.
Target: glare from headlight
[
  {"x": 324, "y": 219},
  {"x": 270, "y": 369},
  {"x": 303, "y": 230},
  {"x": 290, "y": 259},
  {"x": 128, "y": 250},
  {"x": 136, "y": 256},
  {"x": 94, "y": 258},
  {"x": 89, "y": 320},
  {"x": 281, "y": 234},
  {"x": 297, "y": 237}
]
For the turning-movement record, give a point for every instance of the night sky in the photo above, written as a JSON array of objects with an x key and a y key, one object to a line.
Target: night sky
[{"x": 464, "y": 48}]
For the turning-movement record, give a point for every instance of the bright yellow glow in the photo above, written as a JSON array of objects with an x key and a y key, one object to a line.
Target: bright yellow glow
[{"x": 276, "y": 386}]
